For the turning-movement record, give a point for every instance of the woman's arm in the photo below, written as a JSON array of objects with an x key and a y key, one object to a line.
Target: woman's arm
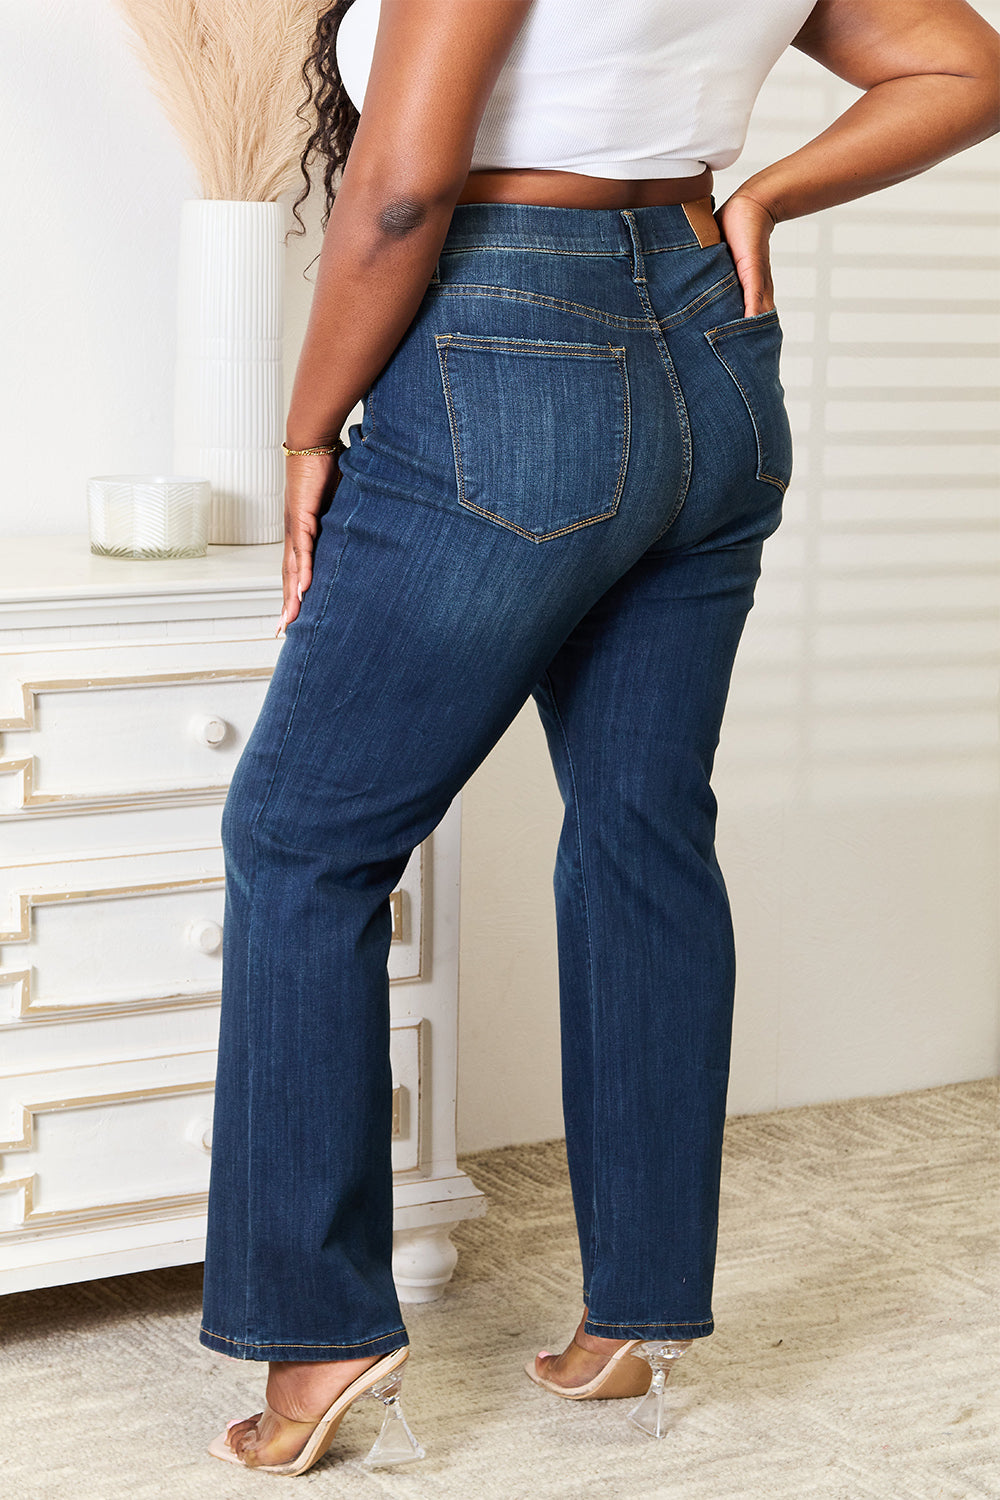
[
  {"x": 931, "y": 74},
  {"x": 433, "y": 70}
]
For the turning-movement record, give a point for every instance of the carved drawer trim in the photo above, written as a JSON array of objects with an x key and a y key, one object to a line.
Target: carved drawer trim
[
  {"x": 26, "y": 1010},
  {"x": 162, "y": 1206},
  {"x": 24, "y": 766},
  {"x": 60, "y": 1012}
]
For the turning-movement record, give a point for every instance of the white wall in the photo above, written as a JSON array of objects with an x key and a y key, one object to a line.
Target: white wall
[
  {"x": 92, "y": 178},
  {"x": 857, "y": 774}
]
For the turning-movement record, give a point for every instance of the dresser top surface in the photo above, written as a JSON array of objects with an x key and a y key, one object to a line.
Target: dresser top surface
[{"x": 37, "y": 568}]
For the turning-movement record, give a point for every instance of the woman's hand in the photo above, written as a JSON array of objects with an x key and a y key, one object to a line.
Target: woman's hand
[
  {"x": 310, "y": 484},
  {"x": 746, "y": 228}
]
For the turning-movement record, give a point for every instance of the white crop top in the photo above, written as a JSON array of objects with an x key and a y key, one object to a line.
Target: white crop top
[{"x": 616, "y": 88}]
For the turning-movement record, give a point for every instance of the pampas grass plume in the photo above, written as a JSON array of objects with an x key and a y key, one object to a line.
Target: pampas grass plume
[{"x": 229, "y": 76}]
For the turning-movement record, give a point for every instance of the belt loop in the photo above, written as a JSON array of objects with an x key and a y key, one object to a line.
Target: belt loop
[{"x": 638, "y": 265}]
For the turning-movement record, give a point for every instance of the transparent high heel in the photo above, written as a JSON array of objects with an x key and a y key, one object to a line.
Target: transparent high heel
[
  {"x": 395, "y": 1442},
  {"x": 652, "y": 1413}
]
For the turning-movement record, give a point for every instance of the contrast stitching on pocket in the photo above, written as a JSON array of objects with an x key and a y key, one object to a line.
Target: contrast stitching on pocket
[
  {"x": 713, "y": 336},
  {"x": 685, "y": 245},
  {"x": 442, "y": 349},
  {"x": 539, "y": 299},
  {"x": 444, "y": 343},
  {"x": 735, "y": 325},
  {"x": 712, "y": 294}
]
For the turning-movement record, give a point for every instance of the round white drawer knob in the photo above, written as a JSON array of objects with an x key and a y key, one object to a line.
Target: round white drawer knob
[
  {"x": 205, "y": 936},
  {"x": 199, "y": 1133},
  {"x": 208, "y": 729}
]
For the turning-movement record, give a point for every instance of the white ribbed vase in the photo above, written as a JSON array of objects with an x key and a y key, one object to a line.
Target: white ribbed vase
[{"x": 229, "y": 392}]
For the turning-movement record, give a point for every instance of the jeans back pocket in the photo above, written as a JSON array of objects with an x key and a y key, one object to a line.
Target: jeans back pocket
[
  {"x": 750, "y": 350},
  {"x": 540, "y": 430}
]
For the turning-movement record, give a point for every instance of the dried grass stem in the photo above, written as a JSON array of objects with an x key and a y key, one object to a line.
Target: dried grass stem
[{"x": 229, "y": 76}]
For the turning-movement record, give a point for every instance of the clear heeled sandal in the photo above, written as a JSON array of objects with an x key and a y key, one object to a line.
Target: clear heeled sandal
[
  {"x": 627, "y": 1373},
  {"x": 395, "y": 1443},
  {"x": 653, "y": 1414}
]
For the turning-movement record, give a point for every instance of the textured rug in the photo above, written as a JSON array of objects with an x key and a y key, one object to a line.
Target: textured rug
[{"x": 855, "y": 1357}]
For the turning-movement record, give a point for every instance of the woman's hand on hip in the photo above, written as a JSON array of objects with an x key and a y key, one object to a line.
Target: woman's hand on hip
[
  {"x": 310, "y": 484},
  {"x": 746, "y": 227}
]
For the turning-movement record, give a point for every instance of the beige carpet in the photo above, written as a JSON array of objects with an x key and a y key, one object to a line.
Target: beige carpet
[{"x": 855, "y": 1355}]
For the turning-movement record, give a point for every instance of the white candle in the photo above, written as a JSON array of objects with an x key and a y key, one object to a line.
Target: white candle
[{"x": 148, "y": 515}]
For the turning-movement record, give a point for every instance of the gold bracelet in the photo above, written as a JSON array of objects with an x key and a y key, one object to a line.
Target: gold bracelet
[{"x": 298, "y": 452}]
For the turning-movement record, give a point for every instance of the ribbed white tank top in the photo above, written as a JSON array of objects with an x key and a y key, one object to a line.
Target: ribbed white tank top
[{"x": 641, "y": 88}]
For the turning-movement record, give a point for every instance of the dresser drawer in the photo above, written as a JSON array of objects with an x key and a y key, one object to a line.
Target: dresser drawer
[
  {"x": 167, "y": 722},
  {"x": 129, "y": 1140},
  {"x": 120, "y": 935},
  {"x": 117, "y": 741},
  {"x": 85, "y": 1145}
]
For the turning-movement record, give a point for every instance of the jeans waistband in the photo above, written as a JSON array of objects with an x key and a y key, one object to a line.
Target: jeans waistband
[{"x": 582, "y": 231}]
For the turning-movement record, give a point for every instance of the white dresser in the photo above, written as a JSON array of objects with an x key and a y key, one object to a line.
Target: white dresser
[{"x": 127, "y": 691}]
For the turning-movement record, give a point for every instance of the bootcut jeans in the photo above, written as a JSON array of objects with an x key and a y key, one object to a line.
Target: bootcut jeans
[{"x": 560, "y": 488}]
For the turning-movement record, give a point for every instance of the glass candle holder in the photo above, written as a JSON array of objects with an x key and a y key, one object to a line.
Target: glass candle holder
[{"x": 143, "y": 516}]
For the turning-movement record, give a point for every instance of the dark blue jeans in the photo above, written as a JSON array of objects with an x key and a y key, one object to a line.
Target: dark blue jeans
[{"x": 560, "y": 488}]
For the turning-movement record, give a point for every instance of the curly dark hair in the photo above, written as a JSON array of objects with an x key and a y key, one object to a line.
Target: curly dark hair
[{"x": 336, "y": 117}]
